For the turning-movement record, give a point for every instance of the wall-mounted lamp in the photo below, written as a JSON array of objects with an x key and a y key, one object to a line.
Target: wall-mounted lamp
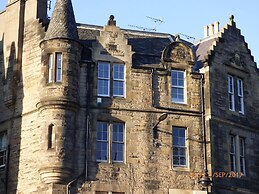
[{"x": 155, "y": 131}]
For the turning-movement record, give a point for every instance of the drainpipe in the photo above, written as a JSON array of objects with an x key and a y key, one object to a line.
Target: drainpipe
[
  {"x": 71, "y": 182},
  {"x": 86, "y": 146},
  {"x": 205, "y": 181}
]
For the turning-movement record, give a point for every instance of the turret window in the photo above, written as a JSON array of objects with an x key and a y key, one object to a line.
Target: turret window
[
  {"x": 51, "y": 136},
  {"x": 55, "y": 68}
]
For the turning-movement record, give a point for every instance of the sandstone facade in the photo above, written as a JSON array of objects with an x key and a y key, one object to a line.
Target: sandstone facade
[{"x": 72, "y": 93}]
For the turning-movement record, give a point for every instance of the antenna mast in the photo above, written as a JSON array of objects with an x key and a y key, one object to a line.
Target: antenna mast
[{"x": 156, "y": 23}]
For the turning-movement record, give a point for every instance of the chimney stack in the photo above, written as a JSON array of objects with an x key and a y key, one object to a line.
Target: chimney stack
[{"x": 211, "y": 29}]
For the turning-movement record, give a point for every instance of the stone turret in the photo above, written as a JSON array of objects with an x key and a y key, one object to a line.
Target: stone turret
[{"x": 59, "y": 101}]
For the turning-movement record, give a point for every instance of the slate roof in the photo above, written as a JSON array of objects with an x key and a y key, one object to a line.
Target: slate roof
[
  {"x": 62, "y": 23},
  {"x": 147, "y": 46}
]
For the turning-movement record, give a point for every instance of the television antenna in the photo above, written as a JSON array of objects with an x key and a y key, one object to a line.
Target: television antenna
[
  {"x": 187, "y": 36},
  {"x": 156, "y": 23},
  {"x": 142, "y": 28}
]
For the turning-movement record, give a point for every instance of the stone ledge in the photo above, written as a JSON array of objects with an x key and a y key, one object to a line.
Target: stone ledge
[{"x": 57, "y": 103}]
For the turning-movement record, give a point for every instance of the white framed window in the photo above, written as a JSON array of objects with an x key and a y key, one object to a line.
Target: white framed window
[
  {"x": 50, "y": 77},
  {"x": 242, "y": 155},
  {"x": 118, "y": 80},
  {"x": 237, "y": 154},
  {"x": 103, "y": 79},
  {"x": 233, "y": 153},
  {"x": 179, "y": 147},
  {"x": 111, "y": 79},
  {"x": 231, "y": 93},
  {"x": 236, "y": 99},
  {"x": 240, "y": 94},
  {"x": 178, "y": 86},
  {"x": 3, "y": 148},
  {"x": 55, "y": 68},
  {"x": 110, "y": 142},
  {"x": 58, "y": 66}
]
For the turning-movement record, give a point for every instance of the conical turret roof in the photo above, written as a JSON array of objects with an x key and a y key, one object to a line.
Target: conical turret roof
[{"x": 62, "y": 23}]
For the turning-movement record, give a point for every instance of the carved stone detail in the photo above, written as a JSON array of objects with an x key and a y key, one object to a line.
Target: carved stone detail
[{"x": 179, "y": 54}]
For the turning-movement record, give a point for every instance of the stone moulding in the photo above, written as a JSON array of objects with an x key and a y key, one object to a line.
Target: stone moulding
[
  {"x": 55, "y": 174},
  {"x": 57, "y": 103}
]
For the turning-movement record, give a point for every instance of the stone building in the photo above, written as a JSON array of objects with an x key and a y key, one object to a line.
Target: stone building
[{"x": 104, "y": 110}]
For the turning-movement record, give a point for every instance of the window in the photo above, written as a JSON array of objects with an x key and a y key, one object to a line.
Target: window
[
  {"x": 237, "y": 154},
  {"x": 111, "y": 79},
  {"x": 232, "y": 95},
  {"x": 240, "y": 94},
  {"x": 233, "y": 153},
  {"x": 3, "y": 146},
  {"x": 110, "y": 142},
  {"x": 179, "y": 147},
  {"x": 55, "y": 68},
  {"x": 51, "y": 136},
  {"x": 178, "y": 86}
]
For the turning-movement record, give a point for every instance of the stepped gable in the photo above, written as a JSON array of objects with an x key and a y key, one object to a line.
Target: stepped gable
[
  {"x": 62, "y": 23},
  {"x": 205, "y": 47}
]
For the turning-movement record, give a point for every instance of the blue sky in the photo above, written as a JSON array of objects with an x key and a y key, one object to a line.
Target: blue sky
[{"x": 186, "y": 17}]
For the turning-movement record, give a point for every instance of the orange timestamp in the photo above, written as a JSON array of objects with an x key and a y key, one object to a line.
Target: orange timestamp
[{"x": 217, "y": 174}]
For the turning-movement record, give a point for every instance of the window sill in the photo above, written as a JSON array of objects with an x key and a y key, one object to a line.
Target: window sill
[
  {"x": 237, "y": 113},
  {"x": 110, "y": 164},
  {"x": 181, "y": 168}
]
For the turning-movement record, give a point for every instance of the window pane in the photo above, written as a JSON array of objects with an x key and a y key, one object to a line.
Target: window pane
[
  {"x": 103, "y": 87},
  {"x": 178, "y": 86},
  {"x": 102, "y": 141},
  {"x": 3, "y": 141},
  {"x": 50, "y": 79},
  {"x": 118, "y": 88},
  {"x": 118, "y": 72},
  {"x": 117, "y": 152},
  {"x": 118, "y": 80},
  {"x": 58, "y": 67},
  {"x": 240, "y": 95},
  {"x": 179, "y": 146},
  {"x": 103, "y": 79},
  {"x": 3, "y": 145},
  {"x": 104, "y": 70},
  {"x": 177, "y": 95},
  {"x": 231, "y": 97},
  {"x": 118, "y": 142}
]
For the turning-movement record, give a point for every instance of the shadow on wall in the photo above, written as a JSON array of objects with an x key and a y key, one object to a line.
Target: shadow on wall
[{"x": 11, "y": 105}]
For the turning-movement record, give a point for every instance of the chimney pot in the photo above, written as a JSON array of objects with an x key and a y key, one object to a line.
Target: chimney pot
[
  {"x": 216, "y": 25},
  {"x": 211, "y": 29},
  {"x": 206, "y": 31}
]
